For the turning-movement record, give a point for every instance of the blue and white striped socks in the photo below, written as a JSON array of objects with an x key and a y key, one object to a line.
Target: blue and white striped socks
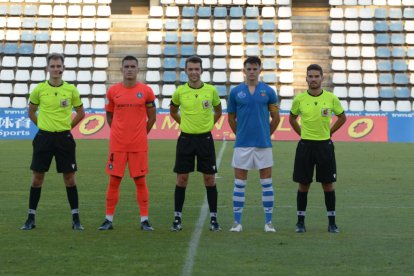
[
  {"x": 267, "y": 198},
  {"x": 238, "y": 199}
]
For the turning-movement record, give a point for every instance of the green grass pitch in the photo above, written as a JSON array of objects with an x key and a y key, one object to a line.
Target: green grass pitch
[{"x": 374, "y": 213}]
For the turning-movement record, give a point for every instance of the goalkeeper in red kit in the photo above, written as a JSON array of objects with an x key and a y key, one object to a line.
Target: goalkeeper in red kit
[{"x": 131, "y": 113}]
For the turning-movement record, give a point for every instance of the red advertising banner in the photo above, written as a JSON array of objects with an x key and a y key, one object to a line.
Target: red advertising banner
[{"x": 357, "y": 128}]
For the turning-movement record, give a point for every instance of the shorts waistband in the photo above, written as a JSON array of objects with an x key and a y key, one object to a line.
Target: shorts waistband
[
  {"x": 314, "y": 141},
  {"x": 53, "y": 132},
  {"x": 197, "y": 134}
]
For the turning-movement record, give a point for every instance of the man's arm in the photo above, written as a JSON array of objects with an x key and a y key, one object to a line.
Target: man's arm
[
  {"x": 80, "y": 113},
  {"x": 275, "y": 118},
  {"x": 174, "y": 113},
  {"x": 341, "y": 120},
  {"x": 152, "y": 116},
  {"x": 217, "y": 112},
  {"x": 32, "y": 112},
  {"x": 294, "y": 123},
  {"x": 231, "y": 118},
  {"x": 109, "y": 116}
]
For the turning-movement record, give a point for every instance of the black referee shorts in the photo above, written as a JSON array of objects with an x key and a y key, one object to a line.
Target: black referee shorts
[
  {"x": 61, "y": 145},
  {"x": 190, "y": 146},
  {"x": 311, "y": 154}
]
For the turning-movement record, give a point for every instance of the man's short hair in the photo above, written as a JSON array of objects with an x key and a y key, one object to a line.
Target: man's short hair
[
  {"x": 315, "y": 67},
  {"x": 129, "y": 57},
  {"x": 253, "y": 60},
  {"x": 194, "y": 59},
  {"x": 55, "y": 56}
]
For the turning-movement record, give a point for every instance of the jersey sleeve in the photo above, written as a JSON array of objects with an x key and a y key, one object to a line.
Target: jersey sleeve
[
  {"x": 109, "y": 103},
  {"x": 176, "y": 97},
  {"x": 295, "y": 105},
  {"x": 273, "y": 99},
  {"x": 216, "y": 98},
  {"x": 337, "y": 108},
  {"x": 76, "y": 99},
  {"x": 231, "y": 102},
  {"x": 34, "y": 96},
  {"x": 150, "y": 97}
]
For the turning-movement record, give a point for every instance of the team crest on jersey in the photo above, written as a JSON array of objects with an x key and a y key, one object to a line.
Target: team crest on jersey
[
  {"x": 241, "y": 95},
  {"x": 206, "y": 104},
  {"x": 325, "y": 112},
  {"x": 139, "y": 95},
  {"x": 263, "y": 93}
]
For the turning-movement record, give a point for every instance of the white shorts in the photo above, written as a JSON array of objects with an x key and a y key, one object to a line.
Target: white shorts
[{"x": 252, "y": 158}]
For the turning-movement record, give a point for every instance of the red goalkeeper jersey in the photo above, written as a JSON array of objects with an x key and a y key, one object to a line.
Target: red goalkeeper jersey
[{"x": 129, "y": 123}]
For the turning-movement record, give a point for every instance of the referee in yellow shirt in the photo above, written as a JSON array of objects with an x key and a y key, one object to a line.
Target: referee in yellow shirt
[
  {"x": 315, "y": 149},
  {"x": 196, "y": 102},
  {"x": 54, "y": 99}
]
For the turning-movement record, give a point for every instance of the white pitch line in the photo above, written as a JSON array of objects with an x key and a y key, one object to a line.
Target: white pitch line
[{"x": 195, "y": 237}]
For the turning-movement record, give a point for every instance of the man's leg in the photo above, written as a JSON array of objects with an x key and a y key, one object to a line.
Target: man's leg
[
  {"x": 73, "y": 198},
  {"x": 34, "y": 198}
]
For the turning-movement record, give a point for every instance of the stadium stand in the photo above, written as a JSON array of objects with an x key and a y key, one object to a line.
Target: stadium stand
[
  {"x": 223, "y": 36},
  {"x": 29, "y": 30},
  {"x": 370, "y": 46},
  {"x": 384, "y": 30}
]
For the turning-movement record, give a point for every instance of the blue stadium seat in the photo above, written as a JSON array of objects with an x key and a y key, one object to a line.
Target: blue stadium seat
[
  {"x": 236, "y": 12},
  {"x": 381, "y": 26},
  {"x": 183, "y": 77},
  {"x": 382, "y": 39},
  {"x": 220, "y": 12},
  {"x": 25, "y": 49},
  {"x": 171, "y": 24},
  {"x": 269, "y": 51},
  {"x": 42, "y": 37},
  {"x": 401, "y": 79},
  {"x": 188, "y": 11},
  {"x": 395, "y": 13},
  {"x": 170, "y": 50},
  {"x": 187, "y": 24},
  {"x": 187, "y": 50},
  {"x": 386, "y": 92},
  {"x": 43, "y": 23},
  {"x": 268, "y": 25},
  {"x": 171, "y": 37},
  {"x": 383, "y": 52},
  {"x": 384, "y": 65},
  {"x": 269, "y": 77},
  {"x": 396, "y": 26},
  {"x": 409, "y": 13},
  {"x": 169, "y": 76},
  {"x": 204, "y": 12},
  {"x": 269, "y": 38},
  {"x": 398, "y": 52},
  {"x": 28, "y": 23},
  {"x": 252, "y": 25},
  {"x": 10, "y": 48},
  {"x": 399, "y": 65},
  {"x": 252, "y": 38},
  {"x": 187, "y": 37},
  {"x": 170, "y": 63},
  {"x": 402, "y": 92},
  {"x": 182, "y": 63},
  {"x": 398, "y": 39},
  {"x": 252, "y": 50},
  {"x": 385, "y": 79},
  {"x": 380, "y": 13},
  {"x": 27, "y": 36},
  {"x": 222, "y": 90}
]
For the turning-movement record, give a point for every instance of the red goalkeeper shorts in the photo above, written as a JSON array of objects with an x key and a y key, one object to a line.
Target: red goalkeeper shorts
[{"x": 137, "y": 163}]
